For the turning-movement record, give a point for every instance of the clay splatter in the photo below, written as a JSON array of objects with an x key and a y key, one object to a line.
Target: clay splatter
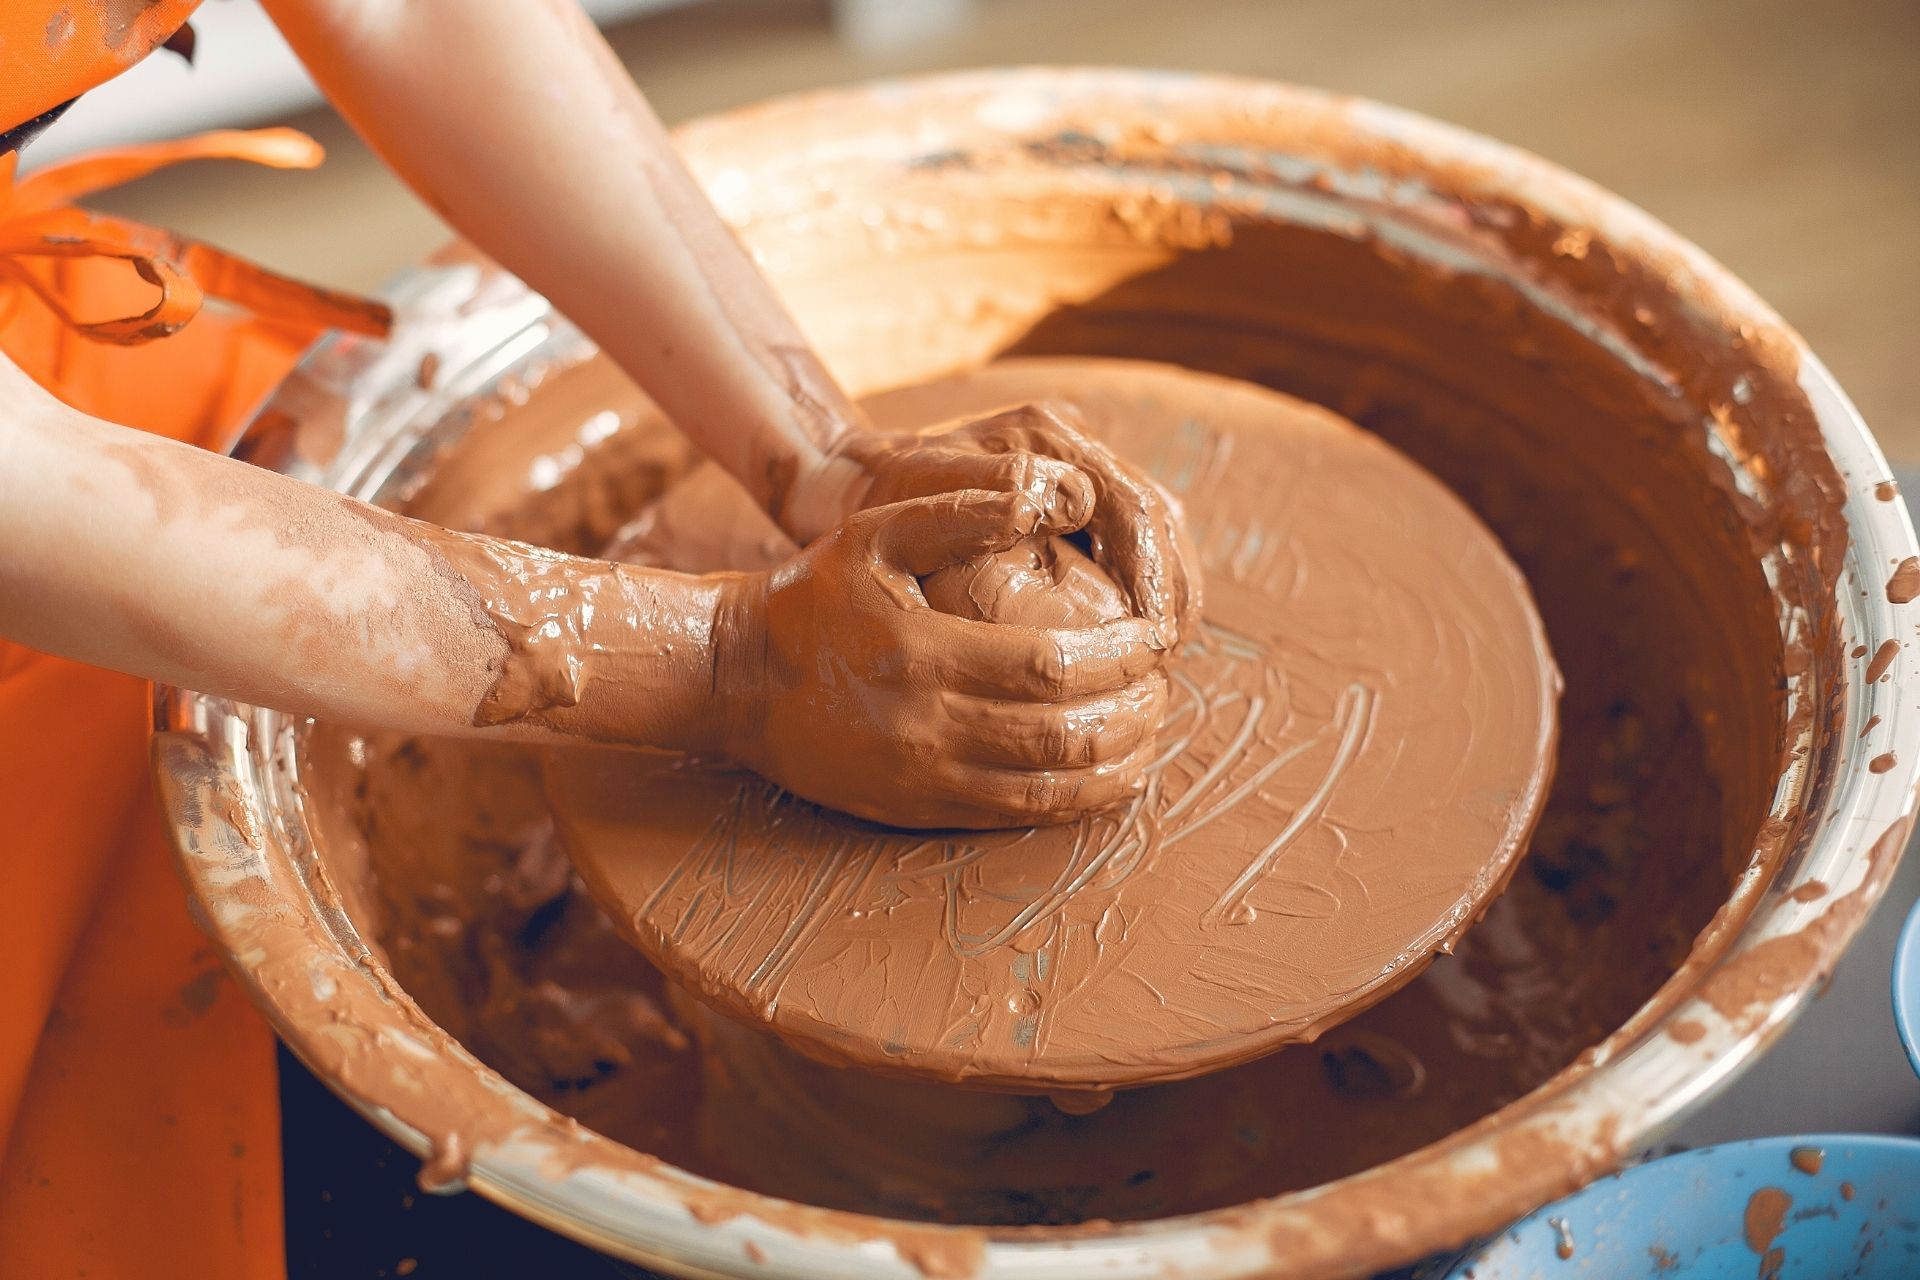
[
  {"x": 1562, "y": 1238},
  {"x": 1882, "y": 659},
  {"x": 1808, "y": 1160},
  {"x": 1904, "y": 585},
  {"x": 1766, "y": 1219}
]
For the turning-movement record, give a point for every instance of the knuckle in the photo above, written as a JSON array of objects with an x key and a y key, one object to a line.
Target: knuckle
[
  {"x": 1025, "y": 512},
  {"x": 1043, "y": 793},
  {"x": 913, "y": 741},
  {"x": 1057, "y": 739},
  {"x": 1114, "y": 739},
  {"x": 1153, "y": 704},
  {"x": 1051, "y": 669},
  {"x": 1016, "y": 469}
]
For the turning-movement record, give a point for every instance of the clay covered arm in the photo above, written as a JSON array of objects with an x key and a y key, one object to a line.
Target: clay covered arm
[
  {"x": 137, "y": 553},
  {"x": 830, "y": 675},
  {"x": 517, "y": 123}
]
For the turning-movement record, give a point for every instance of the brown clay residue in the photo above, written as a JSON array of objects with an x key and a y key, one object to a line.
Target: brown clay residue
[
  {"x": 715, "y": 1211},
  {"x": 1811, "y": 891},
  {"x": 117, "y": 18},
  {"x": 1904, "y": 585},
  {"x": 1883, "y": 763},
  {"x": 1687, "y": 1031},
  {"x": 1808, "y": 1160},
  {"x": 1886, "y": 490},
  {"x": 1766, "y": 1218},
  {"x": 1562, "y": 1238},
  {"x": 1882, "y": 659},
  {"x": 196, "y": 996},
  {"x": 1754, "y": 979},
  {"x": 942, "y": 1255},
  {"x": 1873, "y": 722},
  {"x": 1846, "y": 1191},
  {"x": 1765, "y": 973},
  {"x": 446, "y": 1162}
]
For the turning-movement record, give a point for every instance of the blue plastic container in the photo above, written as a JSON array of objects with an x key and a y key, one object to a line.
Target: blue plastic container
[
  {"x": 1799, "y": 1208},
  {"x": 1906, "y": 988}
]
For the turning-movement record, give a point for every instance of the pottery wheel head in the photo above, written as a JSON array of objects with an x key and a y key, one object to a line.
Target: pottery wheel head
[{"x": 1359, "y": 740}]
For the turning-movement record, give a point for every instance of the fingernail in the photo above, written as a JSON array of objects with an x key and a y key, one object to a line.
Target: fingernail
[{"x": 1072, "y": 504}]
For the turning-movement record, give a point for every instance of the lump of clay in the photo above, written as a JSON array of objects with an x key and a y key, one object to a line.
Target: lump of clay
[
  {"x": 1042, "y": 582},
  {"x": 705, "y": 523}
]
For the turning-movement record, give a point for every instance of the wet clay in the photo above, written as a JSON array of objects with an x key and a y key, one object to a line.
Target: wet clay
[
  {"x": 445, "y": 852},
  {"x": 1642, "y": 553},
  {"x": 1808, "y": 1160},
  {"x": 1043, "y": 582},
  {"x": 1765, "y": 1219},
  {"x": 1356, "y": 746}
]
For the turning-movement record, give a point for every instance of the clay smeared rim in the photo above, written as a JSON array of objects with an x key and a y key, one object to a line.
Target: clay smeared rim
[{"x": 1823, "y": 860}]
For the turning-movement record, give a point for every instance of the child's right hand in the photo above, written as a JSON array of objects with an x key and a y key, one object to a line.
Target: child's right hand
[{"x": 836, "y": 680}]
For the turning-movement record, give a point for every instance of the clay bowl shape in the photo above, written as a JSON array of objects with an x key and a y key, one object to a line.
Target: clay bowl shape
[
  {"x": 1831, "y": 1205},
  {"x": 1256, "y": 230}
]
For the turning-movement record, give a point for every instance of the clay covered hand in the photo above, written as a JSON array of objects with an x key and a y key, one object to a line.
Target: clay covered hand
[
  {"x": 841, "y": 683},
  {"x": 1133, "y": 526}
]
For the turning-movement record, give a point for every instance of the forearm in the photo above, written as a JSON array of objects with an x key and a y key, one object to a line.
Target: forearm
[
  {"x": 147, "y": 556},
  {"x": 136, "y": 553},
  {"x": 515, "y": 121},
  {"x": 601, "y": 651}
]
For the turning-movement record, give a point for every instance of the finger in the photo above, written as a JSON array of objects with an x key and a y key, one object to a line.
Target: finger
[
  {"x": 1032, "y": 664},
  {"x": 1135, "y": 527},
  {"x": 925, "y": 812},
  {"x": 925, "y": 535},
  {"x": 1062, "y": 491},
  {"x": 1138, "y": 536},
  {"x": 1038, "y": 735},
  {"x": 1051, "y": 427},
  {"x": 1183, "y": 565},
  {"x": 1040, "y": 796},
  {"x": 954, "y": 816}
]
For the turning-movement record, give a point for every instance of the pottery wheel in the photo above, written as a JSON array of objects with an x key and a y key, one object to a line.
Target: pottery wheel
[{"x": 1358, "y": 742}]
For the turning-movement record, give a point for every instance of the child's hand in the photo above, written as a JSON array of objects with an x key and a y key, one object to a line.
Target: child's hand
[
  {"x": 839, "y": 682},
  {"x": 1041, "y": 451}
]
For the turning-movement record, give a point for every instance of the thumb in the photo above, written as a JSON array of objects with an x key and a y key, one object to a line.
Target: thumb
[{"x": 926, "y": 535}]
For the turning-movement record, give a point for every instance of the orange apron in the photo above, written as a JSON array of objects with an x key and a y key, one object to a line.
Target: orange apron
[
  {"x": 52, "y": 51},
  {"x": 139, "y": 1127}
]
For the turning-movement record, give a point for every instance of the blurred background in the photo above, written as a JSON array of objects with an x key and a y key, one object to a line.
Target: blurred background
[{"x": 1779, "y": 135}]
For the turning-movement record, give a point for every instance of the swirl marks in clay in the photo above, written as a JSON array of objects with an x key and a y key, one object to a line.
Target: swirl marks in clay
[{"x": 1358, "y": 739}]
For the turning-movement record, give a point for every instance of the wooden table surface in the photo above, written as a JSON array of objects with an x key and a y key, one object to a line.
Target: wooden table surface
[{"x": 1783, "y": 136}]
